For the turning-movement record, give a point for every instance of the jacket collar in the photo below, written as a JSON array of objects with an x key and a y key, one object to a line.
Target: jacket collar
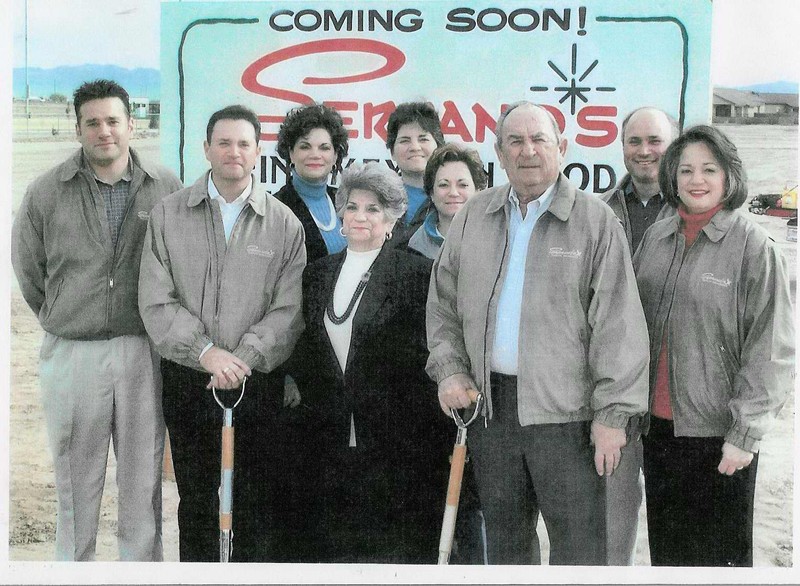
[
  {"x": 719, "y": 225},
  {"x": 74, "y": 164},
  {"x": 716, "y": 228},
  {"x": 199, "y": 192},
  {"x": 560, "y": 206}
]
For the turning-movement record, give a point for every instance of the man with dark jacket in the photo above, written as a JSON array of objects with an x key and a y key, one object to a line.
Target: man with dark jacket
[
  {"x": 638, "y": 203},
  {"x": 76, "y": 246}
]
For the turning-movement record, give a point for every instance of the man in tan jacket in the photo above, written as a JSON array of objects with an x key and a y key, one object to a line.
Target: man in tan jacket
[
  {"x": 76, "y": 245},
  {"x": 533, "y": 302},
  {"x": 220, "y": 296}
]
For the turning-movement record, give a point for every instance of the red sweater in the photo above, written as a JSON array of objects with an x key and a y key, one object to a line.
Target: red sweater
[{"x": 691, "y": 224}]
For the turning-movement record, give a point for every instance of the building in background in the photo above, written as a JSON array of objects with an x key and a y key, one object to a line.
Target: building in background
[{"x": 732, "y": 106}]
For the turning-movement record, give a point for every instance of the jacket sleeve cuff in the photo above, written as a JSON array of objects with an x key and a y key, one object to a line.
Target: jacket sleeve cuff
[
  {"x": 442, "y": 371},
  {"x": 249, "y": 355},
  {"x": 741, "y": 438},
  {"x": 200, "y": 346},
  {"x": 208, "y": 347},
  {"x": 611, "y": 418}
]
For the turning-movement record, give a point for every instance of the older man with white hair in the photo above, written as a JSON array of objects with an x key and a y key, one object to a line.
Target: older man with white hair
[{"x": 533, "y": 302}]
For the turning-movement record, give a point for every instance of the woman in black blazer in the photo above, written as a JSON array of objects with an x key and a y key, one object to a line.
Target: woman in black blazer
[{"x": 380, "y": 442}]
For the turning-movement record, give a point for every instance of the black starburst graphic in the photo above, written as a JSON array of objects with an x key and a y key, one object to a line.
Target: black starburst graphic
[{"x": 574, "y": 92}]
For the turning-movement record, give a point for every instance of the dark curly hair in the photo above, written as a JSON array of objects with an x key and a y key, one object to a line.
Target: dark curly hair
[
  {"x": 420, "y": 112},
  {"x": 455, "y": 153},
  {"x": 302, "y": 120},
  {"x": 98, "y": 90},
  {"x": 724, "y": 151}
]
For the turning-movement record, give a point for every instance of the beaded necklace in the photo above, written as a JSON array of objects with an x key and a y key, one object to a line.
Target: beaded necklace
[{"x": 362, "y": 284}]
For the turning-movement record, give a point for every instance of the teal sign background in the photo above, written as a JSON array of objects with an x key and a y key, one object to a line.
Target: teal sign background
[{"x": 590, "y": 63}]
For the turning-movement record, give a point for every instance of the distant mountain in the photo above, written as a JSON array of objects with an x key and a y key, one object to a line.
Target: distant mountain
[
  {"x": 140, "y": 83},
  {"x": 775, "y": 87}
]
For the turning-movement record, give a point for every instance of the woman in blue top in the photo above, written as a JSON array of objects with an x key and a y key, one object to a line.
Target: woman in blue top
[
  {"x": 453, "y": 174},
  {"x": 313, "y": 140},
  {"x": 413, "y": 132}
]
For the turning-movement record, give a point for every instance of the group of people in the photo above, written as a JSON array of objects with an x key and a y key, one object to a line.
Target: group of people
[{"x": 604, "y": 347}]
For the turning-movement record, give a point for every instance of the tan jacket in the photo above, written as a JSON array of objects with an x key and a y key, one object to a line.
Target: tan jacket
[
  {"x": 244, "y": 296},
  {"x": 583, "y": 338},
  {"x": 79, "y": 285},
  {"x": 727, "y": 312}
]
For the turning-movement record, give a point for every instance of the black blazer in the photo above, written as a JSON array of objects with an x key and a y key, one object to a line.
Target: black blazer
[
  {"x": 315, "y": 245},
  {"x": 394, "y": 403}
]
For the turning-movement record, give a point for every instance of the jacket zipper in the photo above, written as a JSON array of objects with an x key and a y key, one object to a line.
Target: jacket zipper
[
  {"x": 115, "y": 250},
  {"x": 225, "y": 258},
  {"x": 672, "y": 386},
  {"x": 487, "y": 383},
  {"x": 217, "y": 275}
]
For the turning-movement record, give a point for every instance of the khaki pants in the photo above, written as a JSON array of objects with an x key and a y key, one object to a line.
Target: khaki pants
[{"x": 93, "y": 392}]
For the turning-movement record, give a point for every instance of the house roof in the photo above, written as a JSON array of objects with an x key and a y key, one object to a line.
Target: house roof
[
  {"x": 788, "y": 99},
  {"x": 736, "y": 97}
]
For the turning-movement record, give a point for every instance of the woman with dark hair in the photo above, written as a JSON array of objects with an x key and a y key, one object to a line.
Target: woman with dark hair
[
  {"x": 313, "y": 140},
  {"x": 453, "y": 174},
  {"x": 413, "y": 132},
  {"x": 380, "y": 442},
  {"x": 715, "y": 291}
]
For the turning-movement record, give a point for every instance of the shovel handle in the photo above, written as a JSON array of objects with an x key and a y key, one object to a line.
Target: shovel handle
[
  {"x": 456, "y": 475},
  {"x": 451, "y": 505},
  {"x": 226, "y": 481}
]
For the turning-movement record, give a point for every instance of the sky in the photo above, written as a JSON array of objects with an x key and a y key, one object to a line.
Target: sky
[{"x": 752, "y": 42}]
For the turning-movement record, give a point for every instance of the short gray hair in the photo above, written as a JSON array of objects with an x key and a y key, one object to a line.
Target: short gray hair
[
  {"x": 384, "y": 183},
  {"x": 501, "y": 120}
]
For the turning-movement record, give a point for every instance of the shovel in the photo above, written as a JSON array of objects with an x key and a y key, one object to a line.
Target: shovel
[
  {"x": 226, "y": 478},
  {"x": 456, "y": 476}
]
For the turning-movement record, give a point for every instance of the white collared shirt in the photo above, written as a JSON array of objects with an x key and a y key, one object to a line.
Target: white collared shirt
[
  {"x": 505, "y": 349},
  {"x": 230, "y": 211}
]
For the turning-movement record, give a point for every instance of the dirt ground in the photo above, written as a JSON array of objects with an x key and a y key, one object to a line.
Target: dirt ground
[{"x": 770, "y": 156}]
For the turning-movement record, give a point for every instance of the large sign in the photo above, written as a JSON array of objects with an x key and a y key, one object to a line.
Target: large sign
[{"x": 588, "y": 63}]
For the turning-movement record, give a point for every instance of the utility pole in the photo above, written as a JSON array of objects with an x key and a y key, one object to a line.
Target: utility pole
[{"x": 27, "y": 85}]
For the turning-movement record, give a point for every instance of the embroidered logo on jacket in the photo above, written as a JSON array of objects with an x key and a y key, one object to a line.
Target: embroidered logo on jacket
[
  {"x": 561, "y": 253},
  {"x": 255, "y": 250},
  {"x": 143, "y": 215},
  {"x": 710, "y": 278}
]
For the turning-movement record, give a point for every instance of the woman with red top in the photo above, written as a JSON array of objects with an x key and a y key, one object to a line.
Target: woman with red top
[{"x": 715, "y": 291}]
